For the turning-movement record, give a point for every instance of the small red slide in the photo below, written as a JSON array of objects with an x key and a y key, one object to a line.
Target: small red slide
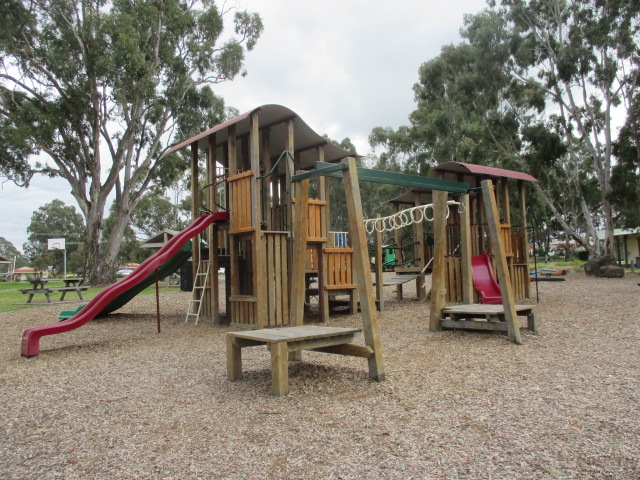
[
  {"x": 484, "y": 279},
  {"x": 31, "y": 336}
]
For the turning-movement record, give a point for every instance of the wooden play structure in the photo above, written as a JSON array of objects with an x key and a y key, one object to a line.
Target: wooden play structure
[
  {"x": 514, "y": 237},
  {"x": 258, "y": 168},
  {"x": 249, "y": 164}
]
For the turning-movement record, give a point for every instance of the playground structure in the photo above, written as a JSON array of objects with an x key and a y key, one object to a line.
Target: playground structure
[
  {"x": 514, "y": 237},
  {"x": 262, "y": 228}
]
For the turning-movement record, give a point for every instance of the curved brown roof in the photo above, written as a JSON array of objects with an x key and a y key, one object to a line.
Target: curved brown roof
[
  {"x": 473, "y": 169},
  {"x": 275, "y": 117}
]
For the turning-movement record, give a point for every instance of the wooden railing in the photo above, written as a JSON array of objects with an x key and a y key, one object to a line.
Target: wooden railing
[
  {"x": 277, "y": 278},
  {"x": 317, "y": 230},
  {"x": 243, "y": 310},
  {"x": 505, "y": 236},
  {"x": 340, "y": 268},
  {"x": 241, "y": 202}
]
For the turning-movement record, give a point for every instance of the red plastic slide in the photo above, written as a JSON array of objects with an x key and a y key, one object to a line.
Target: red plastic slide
[
  {"x": 31, "y": 336},
  {"x": 484, "y": 279}
]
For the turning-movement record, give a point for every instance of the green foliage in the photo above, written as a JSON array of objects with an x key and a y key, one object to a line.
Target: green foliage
[
  {"x": 533, "y": 88},
  {"x": 155, "y": 213},
  {"x": 94, "y": 87},
  {"x": 54, "y": 220},
  {"x": 625, "y": 178},
  {"x": 9, "y": 251}
]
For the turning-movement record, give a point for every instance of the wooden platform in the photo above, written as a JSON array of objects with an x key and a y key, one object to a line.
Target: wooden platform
[
  {"x": 397, "y": 280},
  {"x": 282, "y": 341},
  {"x": 464, "y": 317}
]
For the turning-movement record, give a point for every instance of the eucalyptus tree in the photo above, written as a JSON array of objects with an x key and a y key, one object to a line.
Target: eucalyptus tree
[
  {"x": 535, "y": 85},
  {"x": 93, "y": 91}
]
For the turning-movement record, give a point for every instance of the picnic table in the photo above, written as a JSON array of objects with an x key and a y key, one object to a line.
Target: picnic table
[{"x": 40, "y": 287}]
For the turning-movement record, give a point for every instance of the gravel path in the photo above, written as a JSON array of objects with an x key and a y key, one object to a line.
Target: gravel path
[{"x": 115, "y": 400}]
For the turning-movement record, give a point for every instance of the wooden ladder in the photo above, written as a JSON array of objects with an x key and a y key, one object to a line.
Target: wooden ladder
[{"x": 199, "y": 286}]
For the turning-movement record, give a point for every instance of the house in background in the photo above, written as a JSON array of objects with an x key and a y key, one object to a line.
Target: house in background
[
  {"x": 6, "y": 267},
  {"x": 24, "y": 273},
  {"x": 626, "y": 246}
]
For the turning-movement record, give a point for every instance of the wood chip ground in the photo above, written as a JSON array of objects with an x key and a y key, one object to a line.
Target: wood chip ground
[{"x": 115, "y": 400}]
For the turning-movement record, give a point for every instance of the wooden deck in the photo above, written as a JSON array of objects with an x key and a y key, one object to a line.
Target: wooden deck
[
  {"x": 493, "y": 317},
  {"x": 282, "y": 341}
]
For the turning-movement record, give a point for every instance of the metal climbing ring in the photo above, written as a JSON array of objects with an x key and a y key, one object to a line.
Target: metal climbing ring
[
  {"x": 404, "y": 219},
  {"x": 366, "y": 226},
  {"x": 425, "y": 212},
  {"x": 420, "y": 210}
]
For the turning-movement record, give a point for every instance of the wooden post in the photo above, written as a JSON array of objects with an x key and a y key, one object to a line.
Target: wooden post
[
  {"x": 377, "y": 245},
  {"x": 213, "y": 305},
  {"x": 438, "y": 281},
  {"x": 500, "y": 258},
  {"x": 465, "y": 247},
  {"x": 362, "y": 270},
  {"x": 279, "y": 369},
  {"x": 233, "y": 279},
  {"x": 300, "y": 226},
  {"x": 266, "y": 162},
  {"x": 522, "y": 200},
  {"x": 195, "y": 208},
  {"x": 234, "y": 359},
  {"x": 419, "y": 250},
  {"x": 323, "y": 295},
  {"x": 397, "y": 238},
  {"x": 287, "y": 200},
  {"x": 259, "y": 247}
]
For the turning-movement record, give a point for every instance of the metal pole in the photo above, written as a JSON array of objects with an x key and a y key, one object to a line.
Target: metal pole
[{"x": 158, "y": 300}]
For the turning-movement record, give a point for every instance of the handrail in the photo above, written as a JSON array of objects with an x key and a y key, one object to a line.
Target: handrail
[{"x": 215, "y": 183}]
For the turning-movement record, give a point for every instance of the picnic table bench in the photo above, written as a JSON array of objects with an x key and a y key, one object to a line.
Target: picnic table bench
[
  {"x": 34, "y": 291},
  {"x": 282, "y": 341},
  {"x": 40, "y": 287}
]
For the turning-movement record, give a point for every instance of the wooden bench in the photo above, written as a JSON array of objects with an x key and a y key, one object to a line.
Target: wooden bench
[
  {"x": 34, "y": 291},
  {"x": 493, "y": 315},
  {"x": 78, "y": 289},
  {"x": 282, "y": 341}
]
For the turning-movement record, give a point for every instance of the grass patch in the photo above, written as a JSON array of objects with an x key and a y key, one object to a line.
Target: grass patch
[
  {"x": 569, "y": 265},
  {"x": 11, "y": 298}
]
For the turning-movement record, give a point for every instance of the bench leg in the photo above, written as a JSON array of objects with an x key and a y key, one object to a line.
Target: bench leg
[
  {"x": 62, "y": 295},
  {"x": 353, "y": 302},
  {"x": 80, "y": 294},
  {"x": 234, "y": 360},
  {"x": 532, "y": 321},
  {"x": 279, "y": 369},
  {"x": 30, "y": 298},
  {"x": 46, "y": 294}
]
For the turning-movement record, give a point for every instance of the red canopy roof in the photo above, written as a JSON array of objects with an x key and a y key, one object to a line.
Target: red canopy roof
[{"x": 470, "y": 168}]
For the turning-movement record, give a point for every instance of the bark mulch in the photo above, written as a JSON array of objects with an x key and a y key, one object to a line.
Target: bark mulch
[{"x": 115, "y": 400}]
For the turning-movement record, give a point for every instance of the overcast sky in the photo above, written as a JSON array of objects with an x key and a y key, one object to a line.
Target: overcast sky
[{"x": 344, "y": 66}]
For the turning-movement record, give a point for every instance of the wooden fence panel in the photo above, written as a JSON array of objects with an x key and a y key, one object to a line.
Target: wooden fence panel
[
  {"x": 241, "y": 202},
  {"x": 277, "y": 278}
]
